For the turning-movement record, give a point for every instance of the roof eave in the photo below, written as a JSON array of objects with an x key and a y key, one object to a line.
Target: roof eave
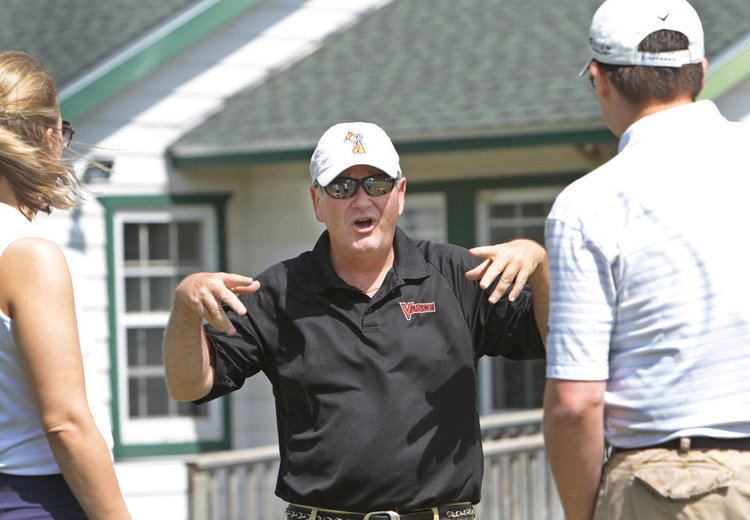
[
  {"x": 186, "y": 158},
  {"x": 149, "y": 52}
]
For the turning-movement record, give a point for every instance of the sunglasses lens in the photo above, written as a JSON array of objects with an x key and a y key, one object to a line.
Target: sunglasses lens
[
  {"x": 375, "y": 186},
  {"x": 378, "y": 185},
  {"x": 67, "y": 133},
  {"x": 341, "y": 188}
]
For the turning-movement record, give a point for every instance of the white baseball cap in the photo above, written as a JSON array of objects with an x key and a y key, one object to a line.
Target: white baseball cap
[
  {"x": 619, "y": 26},
  {"x": 348, "y": 144}
]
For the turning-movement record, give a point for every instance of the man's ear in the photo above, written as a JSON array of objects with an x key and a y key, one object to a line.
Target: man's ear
[
  {"x": 704, "y": 66},
  {"x": 401, "y": 195},
  {"x": 315, "y": 197},
  {"x": 601, "y": 80}
]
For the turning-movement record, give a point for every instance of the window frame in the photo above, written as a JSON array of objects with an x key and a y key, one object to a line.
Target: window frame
[
  {"x": 462, "y": 211},
  {"x": 485, "y": 198},
  {"x": 147, "y": 437},
  {"x": 430, "y": 200}
]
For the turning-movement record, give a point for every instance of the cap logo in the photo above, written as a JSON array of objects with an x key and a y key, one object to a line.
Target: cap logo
[
  {"x": 663, "y": 18},
  {"x": 411, "y": 308},
  {"x": 356, "y": 140}
]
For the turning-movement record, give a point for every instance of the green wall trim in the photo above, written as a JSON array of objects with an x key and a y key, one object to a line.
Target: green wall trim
[
  {"x": 244, "y": 158},
  {"x": 97, "y": 90},
  {"x": 133, "y": 202},
  {"x": 461, "y": 196},
  {"x": 158, "y": 450},
  {"x": 727, "y": 77}
]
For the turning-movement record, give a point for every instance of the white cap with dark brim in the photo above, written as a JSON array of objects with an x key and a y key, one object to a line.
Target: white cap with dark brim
[
  {"x": 349, "y": 144},
  {"x": 619, "y": 26}
]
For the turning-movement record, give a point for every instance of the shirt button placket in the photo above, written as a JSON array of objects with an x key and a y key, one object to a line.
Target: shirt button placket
[{"x": 369, "y": 322}]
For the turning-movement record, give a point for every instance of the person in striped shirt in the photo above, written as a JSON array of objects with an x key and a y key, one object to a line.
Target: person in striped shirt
[{"x": 649, "y": 331}]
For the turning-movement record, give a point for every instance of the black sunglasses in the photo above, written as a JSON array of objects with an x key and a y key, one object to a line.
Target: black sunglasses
[
  {"x": 374, "y": 186},
  {"x": 67, "y": 133}
]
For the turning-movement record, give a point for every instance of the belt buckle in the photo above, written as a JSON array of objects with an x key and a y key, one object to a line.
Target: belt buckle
[{"x": 392, "y": 515}]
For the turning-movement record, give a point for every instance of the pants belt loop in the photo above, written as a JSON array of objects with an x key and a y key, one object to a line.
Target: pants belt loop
[
  {"x": 313, "y": 513},
  {"x": 435, "y": 514},
  {"x": 684, "y": 445}
]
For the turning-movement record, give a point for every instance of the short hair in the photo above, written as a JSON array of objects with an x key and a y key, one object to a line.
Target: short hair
[
  {"x": 642, "y": 85},
  {"x": 40, "y": 179}
]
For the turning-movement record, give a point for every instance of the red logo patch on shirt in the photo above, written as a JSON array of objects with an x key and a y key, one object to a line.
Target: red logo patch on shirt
[{"x": 411, "y": 308}]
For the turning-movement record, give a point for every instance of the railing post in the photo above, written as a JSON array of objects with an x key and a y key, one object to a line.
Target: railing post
[{"x": 199, "y": 483}]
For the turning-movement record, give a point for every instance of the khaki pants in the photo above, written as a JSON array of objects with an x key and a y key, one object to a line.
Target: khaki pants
[{"x": 656, "y": 484}]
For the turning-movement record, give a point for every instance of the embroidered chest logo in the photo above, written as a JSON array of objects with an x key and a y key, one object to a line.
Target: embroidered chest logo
[
  {"x": 356, "y": 140},
  {"x": 411, "y": 308}
]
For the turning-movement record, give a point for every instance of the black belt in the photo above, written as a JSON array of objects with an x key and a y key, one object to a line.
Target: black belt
[
  {"x": 695, "y": 443},
  {"x": 451, "y": 512}
]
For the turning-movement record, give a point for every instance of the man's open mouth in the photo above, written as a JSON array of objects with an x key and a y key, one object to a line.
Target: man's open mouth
[{"x": 363, "y": 224}]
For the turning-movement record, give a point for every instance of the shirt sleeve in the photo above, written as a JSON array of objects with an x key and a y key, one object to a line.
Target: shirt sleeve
[
  {"x": 582, "y": 305},
  {"x": 501, "y": 329},
  {"x": 508, "y": 328},
  {"x": 234, "y": 358}
]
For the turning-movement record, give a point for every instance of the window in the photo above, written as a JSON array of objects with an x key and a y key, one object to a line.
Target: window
[
  {"x": 503, "y": 215},
  {"x": 153, "y": 247},
  {"x": 424, "y": 217}
]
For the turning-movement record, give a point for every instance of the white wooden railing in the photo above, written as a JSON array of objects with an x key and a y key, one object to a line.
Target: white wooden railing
[{"x": 239, "y": 484}]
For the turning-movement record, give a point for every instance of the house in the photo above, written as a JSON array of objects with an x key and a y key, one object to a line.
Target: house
[{"x": 206, "y": 113}]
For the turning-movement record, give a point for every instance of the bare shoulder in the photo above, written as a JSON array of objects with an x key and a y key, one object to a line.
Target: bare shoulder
[{"x": 33, "y": 260}]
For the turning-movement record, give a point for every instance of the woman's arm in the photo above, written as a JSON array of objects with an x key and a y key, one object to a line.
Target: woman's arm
[{"x": 37, "y": 286}]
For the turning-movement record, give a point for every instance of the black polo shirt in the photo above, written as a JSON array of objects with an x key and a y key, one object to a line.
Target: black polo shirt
[{"x": 375, "y": 397}]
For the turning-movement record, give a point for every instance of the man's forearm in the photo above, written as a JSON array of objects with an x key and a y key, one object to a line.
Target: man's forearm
[
  {"x": 574, "y": 441},
  {"x": 187, "y": 367}
]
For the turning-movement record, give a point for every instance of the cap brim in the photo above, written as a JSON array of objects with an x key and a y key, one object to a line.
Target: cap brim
[{"x": 334, "y": 171}]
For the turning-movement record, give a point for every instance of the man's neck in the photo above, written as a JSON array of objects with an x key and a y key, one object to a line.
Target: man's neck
[
  {"x": 630, "y": 113},
  {"x": 364, "y": 271}
]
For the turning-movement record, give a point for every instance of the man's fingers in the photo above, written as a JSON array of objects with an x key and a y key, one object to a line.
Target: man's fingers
[
  {"x": 521, "y": 277},
  {"x": 506, "y": 279},
  {"x": 234, "y": 303},
  {"x": 236, "y": 281},
  {"x": 491, "y": 273},
  {"x": 250, "y": 288},
  {"x": 215, "y": 315},
  {"x": 483, "y": 251},
  {"x": 478, "y": 271}
]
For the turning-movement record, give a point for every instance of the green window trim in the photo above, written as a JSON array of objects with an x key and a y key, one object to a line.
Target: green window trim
[
  {"x": 113, "y": 204},
  {"x": 461, "y": 198}
]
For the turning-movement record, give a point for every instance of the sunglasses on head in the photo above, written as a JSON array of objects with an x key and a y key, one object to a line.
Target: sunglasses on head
[
  {"x": 374, "y": 186},
  {"x": 67, "y": 133}
]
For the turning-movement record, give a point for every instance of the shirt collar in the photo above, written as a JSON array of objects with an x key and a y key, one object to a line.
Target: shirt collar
[
  {"x": 671, "y": 121},
  {"x": 408, "y": 264}
]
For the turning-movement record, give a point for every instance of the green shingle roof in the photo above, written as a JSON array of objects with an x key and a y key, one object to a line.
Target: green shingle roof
[
  {"x": 73, "y": 36},
  {"x": 435, "y": 70}
]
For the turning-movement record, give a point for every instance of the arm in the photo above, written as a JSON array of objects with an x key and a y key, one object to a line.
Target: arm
[
  {"x": 40, "y": 298},
  {"x": 574, "y": 439},
  {"x": 199, "y": 297},
  {"x": 515, "y": 262}
]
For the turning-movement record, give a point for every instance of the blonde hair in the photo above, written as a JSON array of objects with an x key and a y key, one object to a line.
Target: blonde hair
[{"x": 40, "y": 179}]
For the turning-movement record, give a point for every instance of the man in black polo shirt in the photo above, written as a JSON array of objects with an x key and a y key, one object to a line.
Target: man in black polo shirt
[{"x": 371, "y": 342}]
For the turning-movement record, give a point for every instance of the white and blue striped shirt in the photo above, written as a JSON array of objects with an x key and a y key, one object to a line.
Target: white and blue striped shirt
[{"x": 651, "y": 276}]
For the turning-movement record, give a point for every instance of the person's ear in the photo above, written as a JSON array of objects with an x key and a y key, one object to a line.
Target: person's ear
[
  {"x": 601, "y": 80},
  {"x": 315, "y": 197},
  {"x": 704, "y": 67},
  {"x": 401, "y": 194}
]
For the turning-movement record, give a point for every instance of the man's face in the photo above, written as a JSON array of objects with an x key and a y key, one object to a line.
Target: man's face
[{"x": 361, "y": 224}]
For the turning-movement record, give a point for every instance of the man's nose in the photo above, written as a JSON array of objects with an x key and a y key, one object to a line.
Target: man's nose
[{"x": 361, "y": 198}]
